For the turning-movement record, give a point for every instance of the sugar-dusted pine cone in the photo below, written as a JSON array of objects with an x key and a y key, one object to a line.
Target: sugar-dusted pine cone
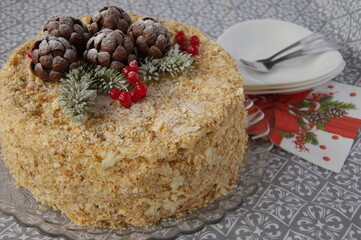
[
  {"x": 52, "y": 57},
  {"x": 72, "y": 29},
  {"x": 110, "y": 48},
  {"x": 319, "y": 117},
  {"x": 151, "y": 37},
  {"x": 336, "y": 112},
  {"x": 110, "y": 17}
]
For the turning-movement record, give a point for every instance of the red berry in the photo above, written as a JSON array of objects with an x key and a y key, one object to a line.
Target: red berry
[
  {"x": 141, "y": 89},
  {"x": 134, "y": 66},
  {"x": 133, "y": 77},
  {"x": 114, "y": 93},
  {"x": 126, "y": 70},
  {"x": 135, "y": 96},
  {"x": 30, "y": 55},
  {"x": 194, "y": 40},
  {"x": 180, "y": 33},
  {"x": 192, "y": 50},
  {"x": 180, "y": 39},
  {"x": 185, "y": 46},
  {"x": 125, "y": 99}
]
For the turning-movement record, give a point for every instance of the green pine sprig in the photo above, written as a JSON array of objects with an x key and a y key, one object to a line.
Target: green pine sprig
[
  {"x": 79, "y": 88},
  {"x": 107, "y": 79},
  {"x": 175, "y": 63},
  {"x": 75, "y": 95},
  {"x": 328, "y": 101},
  {"x": 149, "y": 70}
]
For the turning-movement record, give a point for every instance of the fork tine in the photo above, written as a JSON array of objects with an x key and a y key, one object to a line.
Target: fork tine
[
  {"x": 258, "y": 66},
  {"x": 248, "y": 63},
  {"x": 306, "y": 40}
]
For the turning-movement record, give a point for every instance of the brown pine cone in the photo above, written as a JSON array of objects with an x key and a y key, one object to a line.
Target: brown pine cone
[
  {"x": 52, "y": 57},
  {"x": 319, "y": 117},
  {"x": 336, "y": 112},
  {"x": 72, "y": 29},
  {"x": 110, "y": 48},
  {"x": 111, "y": 17},
  {"x": 151, "y": 37}
]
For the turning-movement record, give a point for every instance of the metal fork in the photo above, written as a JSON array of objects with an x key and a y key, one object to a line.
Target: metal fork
[{"x": 309, "y": 45}]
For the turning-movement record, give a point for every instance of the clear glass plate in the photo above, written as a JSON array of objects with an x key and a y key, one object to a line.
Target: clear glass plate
[{"x": 19, "y": 203}]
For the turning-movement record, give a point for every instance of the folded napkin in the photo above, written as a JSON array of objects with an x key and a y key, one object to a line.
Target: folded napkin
[{"x": 318, "y": 125}]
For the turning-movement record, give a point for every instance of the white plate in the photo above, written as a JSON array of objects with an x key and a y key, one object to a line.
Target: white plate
[
  {"x": 257, "y": 39},
  {"x": 300, "y": 84},
  {"x": 292, "y": 89}
]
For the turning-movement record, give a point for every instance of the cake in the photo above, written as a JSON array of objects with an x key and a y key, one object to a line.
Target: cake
[{"x": 174, "y": 151}]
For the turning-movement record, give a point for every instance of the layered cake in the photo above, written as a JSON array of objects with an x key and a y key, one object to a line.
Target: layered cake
[{"x": 172, "y": 151}]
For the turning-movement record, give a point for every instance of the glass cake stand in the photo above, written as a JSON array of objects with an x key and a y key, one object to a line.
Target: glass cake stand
[{"x": 19, "y": 203}]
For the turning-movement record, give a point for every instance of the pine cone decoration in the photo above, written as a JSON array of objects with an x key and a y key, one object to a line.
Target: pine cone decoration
[
  {"x": 110, "y": 17},
  {"x": 111, "y": 48},
  {"x": 72, "y": 29},
  {"x": 151, "y": 37},
  {"x": 52, "y": 57},
  {"x": 336, "y": 112},
  {"x": 319, "y": 117}
]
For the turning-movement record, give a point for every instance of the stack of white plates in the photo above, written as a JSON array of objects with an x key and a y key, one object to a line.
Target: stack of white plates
[{"x": 259, "y": 39}]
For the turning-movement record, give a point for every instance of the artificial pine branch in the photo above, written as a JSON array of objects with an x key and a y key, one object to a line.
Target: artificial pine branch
[
  {"x": 149, "y": 70},
  {"x": 175, "y": 62},
  {"x": 79, "y": 88},
  {"x": 107, "y": 79},
  {"x": 75, "y": 96}
]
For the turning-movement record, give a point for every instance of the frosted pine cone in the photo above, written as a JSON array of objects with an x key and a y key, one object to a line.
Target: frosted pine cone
[
  {"x": 52, "y": 57},
  {"x": 110, "y": 48},
  {"x": 151, "y": 37},
  {"x": 72, "y": 29},
  {"x": 110, "y": 17}
]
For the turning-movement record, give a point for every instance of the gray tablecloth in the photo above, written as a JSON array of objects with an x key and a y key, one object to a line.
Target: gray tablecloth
[{"x": 329, "y": 209}]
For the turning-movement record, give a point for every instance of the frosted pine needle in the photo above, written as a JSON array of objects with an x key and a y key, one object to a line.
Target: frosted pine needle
[
  {"x": 175, "y": 62},
  {"x": 75, "y": 96},
  {"x": 79, "y": 88}
]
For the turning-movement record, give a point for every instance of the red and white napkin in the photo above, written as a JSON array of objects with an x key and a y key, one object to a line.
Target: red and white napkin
[{"x": 318, "y": 125}]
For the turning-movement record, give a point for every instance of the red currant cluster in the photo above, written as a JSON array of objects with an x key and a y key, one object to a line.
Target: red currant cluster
[
  {"x": 139, "y": 91},
  {"x": 189, "y": 46},
  {"x": 300, "y": 141}
]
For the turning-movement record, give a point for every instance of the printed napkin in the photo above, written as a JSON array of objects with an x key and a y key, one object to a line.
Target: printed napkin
[{"x": 318, "y": 125}]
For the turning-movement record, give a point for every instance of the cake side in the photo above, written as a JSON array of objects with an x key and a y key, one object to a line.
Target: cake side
[{"x": 178, "y": 149}]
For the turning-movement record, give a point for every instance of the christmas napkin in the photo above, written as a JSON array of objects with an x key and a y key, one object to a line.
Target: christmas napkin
[{"x": 319, "y": 125}]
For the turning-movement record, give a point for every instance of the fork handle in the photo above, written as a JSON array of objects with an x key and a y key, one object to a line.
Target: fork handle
[
  {"x": 308, "y": 50},
  {"x": 310, "y": 38}
]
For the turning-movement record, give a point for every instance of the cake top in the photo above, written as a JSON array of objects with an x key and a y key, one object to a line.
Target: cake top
[{"x": 177, "y": 112}]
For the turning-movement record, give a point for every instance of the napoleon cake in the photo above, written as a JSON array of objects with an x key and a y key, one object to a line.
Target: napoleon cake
[{"x": 120, "y": 119}]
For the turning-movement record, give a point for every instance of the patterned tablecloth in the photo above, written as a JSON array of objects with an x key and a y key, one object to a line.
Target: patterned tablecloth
[{"x": 296, "y": 199}]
